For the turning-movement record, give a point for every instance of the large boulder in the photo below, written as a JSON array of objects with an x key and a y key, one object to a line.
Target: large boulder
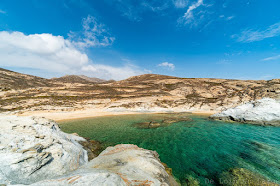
[
  {"x": 33, "y": 149},
  {"x": 136, "y": 166},
  {"x": 85, "y": 177},
  {"x": 265, "y": 111},
  {"x": 119, "y": 165}
]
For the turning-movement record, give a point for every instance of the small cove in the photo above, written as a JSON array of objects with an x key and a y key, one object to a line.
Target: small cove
[{"x": 200, "y": 148}]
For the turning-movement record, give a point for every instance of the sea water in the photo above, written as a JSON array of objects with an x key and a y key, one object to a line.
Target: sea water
[{"x": 201, "y": 148}]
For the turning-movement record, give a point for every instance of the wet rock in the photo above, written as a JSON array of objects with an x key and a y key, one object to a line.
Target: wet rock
[{"x": 92, "y": 147}]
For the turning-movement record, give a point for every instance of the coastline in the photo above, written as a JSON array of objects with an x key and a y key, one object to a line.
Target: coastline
[{"x": 60, "y": 116}]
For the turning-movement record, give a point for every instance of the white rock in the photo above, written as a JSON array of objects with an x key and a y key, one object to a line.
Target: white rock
[
  {"x": 33, "y": 149},
  {"x": 265, "y": 111},
  {"x": 85, "y": 177},
  {"x": 135, "y": 165}
]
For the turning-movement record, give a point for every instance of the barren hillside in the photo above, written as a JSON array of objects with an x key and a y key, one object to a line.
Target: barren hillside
[
  {"x": 147, "y": 92},
  {"x": 13, "y": 80}
]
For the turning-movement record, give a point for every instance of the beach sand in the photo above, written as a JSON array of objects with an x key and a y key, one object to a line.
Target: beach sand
[{"x": 88, "y": 113}]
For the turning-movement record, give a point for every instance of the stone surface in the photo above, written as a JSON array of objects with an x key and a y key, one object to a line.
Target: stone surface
[
  {"x": 136, "y": 166},
  {"x": 119, "y": 165},
  {"x": 85, "y": 177},
  {"x": 33, "y": 149},
  {"x": 265, "y": 111}
]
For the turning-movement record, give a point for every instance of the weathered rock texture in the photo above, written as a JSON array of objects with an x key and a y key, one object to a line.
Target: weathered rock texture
[
  {"x": 265, "y": 111},
  {"x": 33, "y": 149},
  {"x": 119, "y": 165},
  {"x": 136, "y": 166}
]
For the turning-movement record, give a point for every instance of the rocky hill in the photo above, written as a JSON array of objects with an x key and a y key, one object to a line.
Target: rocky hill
[
  {"x": 78, "y": 79},
  {"x": 149, "y": 92},
  {"x": 13, "y": 80}
]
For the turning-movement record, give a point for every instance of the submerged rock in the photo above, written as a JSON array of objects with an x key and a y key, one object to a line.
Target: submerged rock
[
  {"x": 166, "y": 121},
  {"x": 33, "y": 149},
  {"x": 148, "y": 125},
  {"x": 241, "y": 176},
  {"x": 265, "y": 111}
]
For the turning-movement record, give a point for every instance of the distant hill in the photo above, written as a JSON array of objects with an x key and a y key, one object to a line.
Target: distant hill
[
  {"x": 145, "y": 92},
  {"x": 78, "y": 79},
  {"x": 14, "y": 80},
  {"x": 92, "y": 79},
  {"x": 148, "y": 77}
]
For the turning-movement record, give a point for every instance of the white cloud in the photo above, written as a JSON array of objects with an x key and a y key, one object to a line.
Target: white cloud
[
  {"x": 93, "y": 34},
  {"x": 54, "y": 54},
  {"x": 230, "y": 18},
  {"x": 2, "y": 12},
  {"x": 272, "y": 58},
  {"x": 109, "y": 72},
  {"x": 249, "y": 35},
  {"x": 170, "y": 66},
  {"x": 189, "y": 16},
  {"x": 155, "y": 8},
  {"x": 180, "y": 3},
  {"x": 134, "y": 10}
]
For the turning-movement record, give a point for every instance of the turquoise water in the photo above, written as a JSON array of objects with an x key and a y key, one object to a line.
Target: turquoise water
[{"x": 200, "y": 148}]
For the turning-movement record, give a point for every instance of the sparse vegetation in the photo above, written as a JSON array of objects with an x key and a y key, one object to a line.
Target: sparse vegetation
[{"x": 24, "y": 92}]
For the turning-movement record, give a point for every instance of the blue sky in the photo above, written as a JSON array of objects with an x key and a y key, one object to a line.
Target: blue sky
[{"x": 115, "y": 39}]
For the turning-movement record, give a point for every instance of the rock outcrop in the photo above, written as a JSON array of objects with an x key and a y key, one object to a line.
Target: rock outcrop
[
  {"x": 119, "y": 165},
  {"x": 265, "y": 111},
  {"x": 33, "y": 149}
]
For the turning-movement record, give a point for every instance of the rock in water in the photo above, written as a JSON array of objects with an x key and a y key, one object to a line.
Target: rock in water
[
  {"x": 241, "y": 176},
  {"x": 265, "y": 111},
  {"x": 33, "y": 149}
]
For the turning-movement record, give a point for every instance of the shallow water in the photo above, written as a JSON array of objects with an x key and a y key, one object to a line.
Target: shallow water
[{"x": 200, "y": 148}]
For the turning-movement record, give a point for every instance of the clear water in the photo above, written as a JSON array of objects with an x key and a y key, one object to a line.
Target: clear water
[{"x": 201, "y": 148}]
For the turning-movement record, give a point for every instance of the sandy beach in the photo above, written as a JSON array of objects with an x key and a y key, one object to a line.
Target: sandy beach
[{"x": 89, "y": 113}]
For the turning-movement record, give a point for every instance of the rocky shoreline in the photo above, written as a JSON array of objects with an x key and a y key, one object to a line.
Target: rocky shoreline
[
  {"x": 35, "y": 151},
  {"x": 265, "y": 112}
]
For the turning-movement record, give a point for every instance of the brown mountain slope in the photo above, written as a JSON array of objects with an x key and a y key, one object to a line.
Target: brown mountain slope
[
  {"x": 149, "y": 92},
  {"x": 92, "y": 79},
  {"x": 78, "y": 79},
  {"x": 15, "y": 80}
]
